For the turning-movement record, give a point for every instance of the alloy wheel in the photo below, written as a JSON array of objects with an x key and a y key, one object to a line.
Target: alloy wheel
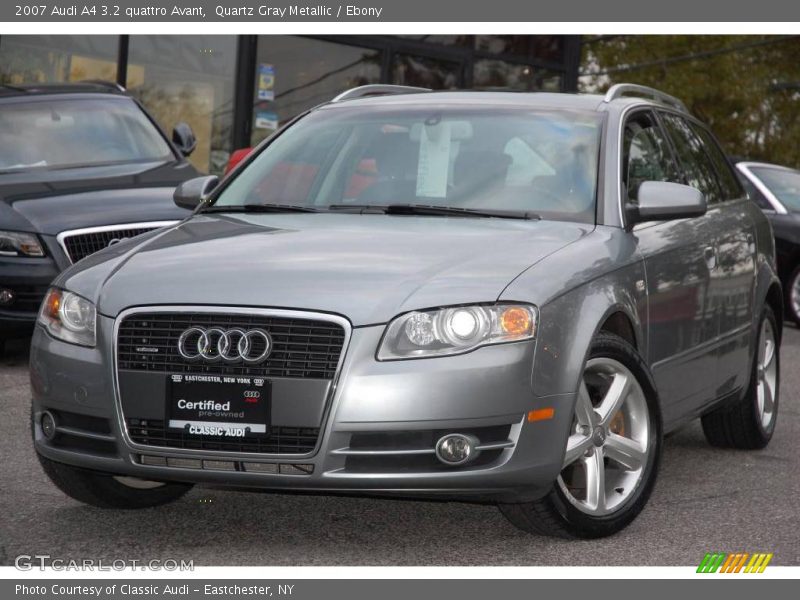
[
  {"x": 767, "y": 375},
  {"x": 607, "y": 451}
]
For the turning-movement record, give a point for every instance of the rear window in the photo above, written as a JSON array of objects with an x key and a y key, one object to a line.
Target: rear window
[
  {"x": 512, "y": 159},
  {"x": 67, "y": 133}
]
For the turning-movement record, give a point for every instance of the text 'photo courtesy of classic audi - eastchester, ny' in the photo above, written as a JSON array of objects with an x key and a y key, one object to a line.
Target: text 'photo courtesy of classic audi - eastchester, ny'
[{"x": 486, "y": 296}]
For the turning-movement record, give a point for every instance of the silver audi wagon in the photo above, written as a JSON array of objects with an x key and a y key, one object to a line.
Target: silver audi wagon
[{"x": 496, "y": 297}]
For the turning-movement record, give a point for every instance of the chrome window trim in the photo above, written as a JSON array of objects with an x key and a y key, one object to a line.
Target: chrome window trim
[
  {"x": 623, "y": 117},
  {"x": 265, "y": 312},
  {"x": 744, "y": 168},
  {"x": 61, "y": 237}
]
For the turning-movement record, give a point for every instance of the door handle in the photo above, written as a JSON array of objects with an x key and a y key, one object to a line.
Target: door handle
[{"x": 710, "y": 255}]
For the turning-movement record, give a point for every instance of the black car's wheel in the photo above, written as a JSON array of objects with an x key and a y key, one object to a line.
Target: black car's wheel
[
  {"x": 108, "y": 491},
  {"x": 612, "y": 453},
  {"x": 793, "y": 296},
  {"x": 749, "y": 422}
]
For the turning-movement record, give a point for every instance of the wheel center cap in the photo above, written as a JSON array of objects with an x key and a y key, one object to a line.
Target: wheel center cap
[{"x": 599, "y": 436}]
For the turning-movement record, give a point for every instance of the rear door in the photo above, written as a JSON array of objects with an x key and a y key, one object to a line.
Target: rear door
[
  {"x": 682, "y": 321},
  {"x": 733, "y": 229}
]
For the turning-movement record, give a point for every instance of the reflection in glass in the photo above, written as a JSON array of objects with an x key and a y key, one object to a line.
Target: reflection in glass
[
  {"x": 188, "y": 78},
  {"x": 426, "y": 72},
  {"x": 503, "y": 75},
  {"x": 444, "y": 40},
  {"x": 57, "y": 58},
  {"x": 546, "y": 47},
  {"x": 294, "y": 74}
]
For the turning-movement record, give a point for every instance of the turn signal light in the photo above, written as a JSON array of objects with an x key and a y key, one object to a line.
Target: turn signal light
[
  {"x": 541, "y": 414},
  {"x": 516, "y": 321}
]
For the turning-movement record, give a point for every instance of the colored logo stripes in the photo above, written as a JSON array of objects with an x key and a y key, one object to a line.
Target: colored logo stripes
[{"x": 734, "y": 563}]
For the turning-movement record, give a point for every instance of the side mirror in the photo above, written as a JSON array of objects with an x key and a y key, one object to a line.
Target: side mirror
[
  {"x": 183, "y": 138},
  {"x": 665, "y": 201},
  {"x": 237, "y": 156},
  {"x": 192, "y": 192}
]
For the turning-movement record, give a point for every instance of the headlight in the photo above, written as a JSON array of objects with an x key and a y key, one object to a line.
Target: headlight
[
  {"x": 69, "y": 317},
  {"x": 15, "y": 243},
  {"x": 456, "y": 330}
]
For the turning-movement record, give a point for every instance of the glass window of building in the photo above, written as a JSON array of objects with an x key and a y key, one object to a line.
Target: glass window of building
[
  {"x": 57, "y": 58},
  {"x": 543, "y": 47},
  {"x": 444, "y": 40},
  {"x": 294, "y": 74},
  {"x": 188, "y": 78},
  {"x": 428, "y": 72},
  {"x": 498, "y": 74}
]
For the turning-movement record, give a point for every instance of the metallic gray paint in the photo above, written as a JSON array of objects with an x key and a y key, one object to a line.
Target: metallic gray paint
[{"x": 692, "y": 311}]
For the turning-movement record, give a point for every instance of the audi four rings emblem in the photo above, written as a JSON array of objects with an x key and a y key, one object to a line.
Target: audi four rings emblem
[{"x": 229, "y": 345}]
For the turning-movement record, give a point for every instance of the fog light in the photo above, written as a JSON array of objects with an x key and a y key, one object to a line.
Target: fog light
[
  {"x": 6, "y": 297},
  {"x": 456, "y": 449},
  {"x": 48, "y": 423}
]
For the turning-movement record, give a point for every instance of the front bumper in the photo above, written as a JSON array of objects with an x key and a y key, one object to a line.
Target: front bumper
[{"x": 403, "y": 404}]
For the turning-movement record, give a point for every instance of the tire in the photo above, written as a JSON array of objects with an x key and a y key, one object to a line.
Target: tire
[
  {"x": 108, "y": 491},
  {"x": 749, "y": 423},
  {"x": 793, "y": 296},
  {"x": 635, "y": 417}
]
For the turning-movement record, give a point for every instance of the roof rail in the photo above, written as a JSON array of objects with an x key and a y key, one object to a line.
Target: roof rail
[
  {"x": 109, "y": 84},
  {"x": 620, "y": 90},
  {"x": 378, "y": 89}
]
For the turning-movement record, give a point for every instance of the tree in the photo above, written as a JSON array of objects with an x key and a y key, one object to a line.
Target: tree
[{"x": 747, "y": 88}]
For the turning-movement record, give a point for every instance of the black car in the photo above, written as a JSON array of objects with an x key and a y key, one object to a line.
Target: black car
[
  {"x": 776, "y": 189},
  {"x": 82, "y": 166}
]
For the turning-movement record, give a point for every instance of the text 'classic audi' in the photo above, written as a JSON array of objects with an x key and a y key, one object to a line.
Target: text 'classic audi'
[{"x": 474, "y": 295}]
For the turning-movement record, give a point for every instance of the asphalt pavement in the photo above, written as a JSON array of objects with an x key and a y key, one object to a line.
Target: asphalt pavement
[{"x": 705, "y": 500}]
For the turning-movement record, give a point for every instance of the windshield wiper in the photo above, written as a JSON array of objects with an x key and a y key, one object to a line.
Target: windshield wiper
[
  {"x": 433, "y": 210},
  {"x": 260, "y": 208}
]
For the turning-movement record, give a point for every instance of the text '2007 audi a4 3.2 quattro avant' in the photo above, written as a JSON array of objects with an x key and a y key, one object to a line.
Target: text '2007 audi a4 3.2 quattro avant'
[{"x": 473, "y": 295}]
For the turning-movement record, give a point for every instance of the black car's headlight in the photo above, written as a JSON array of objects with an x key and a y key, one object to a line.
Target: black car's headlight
[
  {"x": 456, "y": 330},
  {"x": 69, "y": 317},
  {"x": 17, "y": 243}
]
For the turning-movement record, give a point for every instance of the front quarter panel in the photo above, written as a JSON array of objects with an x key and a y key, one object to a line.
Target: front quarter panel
[{"x": 576, "y": 290}]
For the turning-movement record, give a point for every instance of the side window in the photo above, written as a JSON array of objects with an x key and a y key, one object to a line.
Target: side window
[
  {"x": 727, "y": 178},
  {"x": 646, "y": 156},
  {"x": 697, "y": 166}
]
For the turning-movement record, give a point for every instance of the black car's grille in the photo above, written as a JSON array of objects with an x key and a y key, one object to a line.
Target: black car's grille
[
  {"x": 83, "y": 244},
  {"x": 26, "y": 298},
  {"x": 281, "y": 440},
  {"x": 301, "y": 348}
]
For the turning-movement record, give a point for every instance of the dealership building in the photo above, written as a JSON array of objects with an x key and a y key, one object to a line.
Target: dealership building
[{"x": 236, "y": 90}]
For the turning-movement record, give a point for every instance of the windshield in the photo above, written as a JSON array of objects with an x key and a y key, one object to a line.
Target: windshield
[
  {"x": 543, "y": 162},
  {"x": 784, "y": 183},
  {"x": 67, "y": 133}
]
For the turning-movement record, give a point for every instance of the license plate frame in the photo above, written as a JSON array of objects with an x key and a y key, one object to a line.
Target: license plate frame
[{"x": 219, "y": 407}]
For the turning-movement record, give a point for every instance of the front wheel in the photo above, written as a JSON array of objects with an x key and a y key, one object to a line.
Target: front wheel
[
  {"x": 109, "y": 491},
  {"x": 612, "y": 453}
]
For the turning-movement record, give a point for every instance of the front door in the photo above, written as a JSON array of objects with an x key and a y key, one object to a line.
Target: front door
[{"x": 683, "y": 321}]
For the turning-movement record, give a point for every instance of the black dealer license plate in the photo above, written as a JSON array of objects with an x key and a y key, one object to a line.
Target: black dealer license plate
[{"x": 218, "y": 405}]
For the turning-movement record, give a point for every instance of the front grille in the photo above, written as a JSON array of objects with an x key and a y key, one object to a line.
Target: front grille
[
  {"x": 27, "y": 298},
  {"x": 281, "y": 440},
  {"x": 81, "y": 245},
  {"x": 302, "y": 348}
]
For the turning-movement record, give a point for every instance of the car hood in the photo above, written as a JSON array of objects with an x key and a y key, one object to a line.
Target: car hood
[
  {"x": 368, "y": 268},
  {"x": 50, "y": 202}
]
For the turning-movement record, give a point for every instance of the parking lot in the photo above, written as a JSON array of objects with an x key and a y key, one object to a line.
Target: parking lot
[{"x": 705, "y": 500}]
